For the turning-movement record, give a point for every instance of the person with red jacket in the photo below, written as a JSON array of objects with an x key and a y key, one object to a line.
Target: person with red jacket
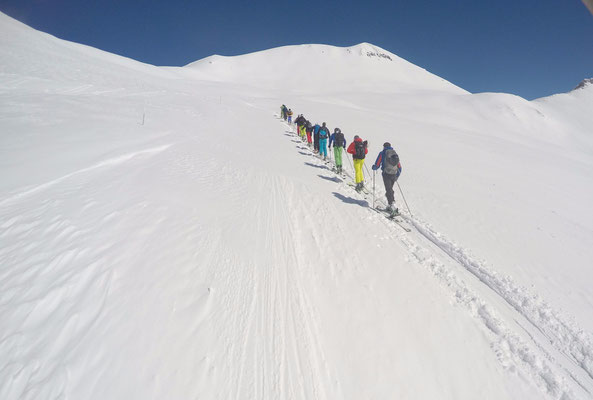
[{"x": 359, "y": 150}]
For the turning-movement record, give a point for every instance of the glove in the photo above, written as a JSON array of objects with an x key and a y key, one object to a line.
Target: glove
[{"x": 375, "y": 167}]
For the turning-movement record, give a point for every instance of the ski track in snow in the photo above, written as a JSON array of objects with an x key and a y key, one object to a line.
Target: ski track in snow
[
  {"x": 272, "y": 339},
  {"x": 557, "y": 342},
  {"x": 565, "y": 336}
]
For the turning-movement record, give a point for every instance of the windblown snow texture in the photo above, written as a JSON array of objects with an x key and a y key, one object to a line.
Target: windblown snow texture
[{"x": 163, "y": 234}]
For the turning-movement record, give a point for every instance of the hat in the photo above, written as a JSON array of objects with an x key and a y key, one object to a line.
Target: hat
[
  {"x": 356, "y": 137},
  {"x": 386, "y": 144}
]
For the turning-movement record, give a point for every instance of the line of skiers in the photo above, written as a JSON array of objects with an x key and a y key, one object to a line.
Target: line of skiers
[
  {"x": 286, "y": 113},
  {"x": 319, "y": 138}
]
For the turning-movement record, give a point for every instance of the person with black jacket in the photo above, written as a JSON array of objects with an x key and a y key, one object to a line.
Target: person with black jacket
[
  {"x": 309, "y": 130},
  {"x": 323, "y": 137},
  {"x": 316, "y": 129},
  {"x": 339, "y": 142},
  {"x": 299, "y": 121}
]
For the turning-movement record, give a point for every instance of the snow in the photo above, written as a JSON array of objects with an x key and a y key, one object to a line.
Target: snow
[{"x": 164, "y": 235}]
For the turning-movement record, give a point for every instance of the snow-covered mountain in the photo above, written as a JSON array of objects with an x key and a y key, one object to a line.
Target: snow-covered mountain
[
  {"x": 306, "y": 69},
  {"x": 164, "y": 235}
]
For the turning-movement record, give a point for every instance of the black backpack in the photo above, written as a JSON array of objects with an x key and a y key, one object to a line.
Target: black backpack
[
  {"x": 323, "y": 132},
  {"x": 339, "y": 139},
  {"x": 391, "y": 161},
  {"x": 359, "y": 150}
]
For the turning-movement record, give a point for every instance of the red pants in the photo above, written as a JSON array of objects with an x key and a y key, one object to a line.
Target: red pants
[{"x": 309, "y": 140}]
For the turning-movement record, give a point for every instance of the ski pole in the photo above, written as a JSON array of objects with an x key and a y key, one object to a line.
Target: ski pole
[
  {"x": 367, "y": 168},
  {"x": 374, "y": 188},
  {"x": 369, "y": 174},
  {"x": 352, "y": 165},
  {"x": 403, "y": 197}
]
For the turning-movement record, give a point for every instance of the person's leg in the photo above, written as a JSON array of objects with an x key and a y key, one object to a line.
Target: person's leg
[
  {"x": 358, "y": 176},
  {"x": 338, "y": 156},
  {"x": 389, "y": 181}
]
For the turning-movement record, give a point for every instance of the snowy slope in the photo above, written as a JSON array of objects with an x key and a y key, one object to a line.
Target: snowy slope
[{"x": 163, "y": 235}]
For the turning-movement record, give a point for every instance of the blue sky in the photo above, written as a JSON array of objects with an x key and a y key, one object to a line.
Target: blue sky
[{"x": 532, "y": 48}]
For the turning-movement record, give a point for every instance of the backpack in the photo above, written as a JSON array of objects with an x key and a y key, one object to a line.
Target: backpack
[
  {"x": 359, "y": 150},
  {"x": 390, "y": 162},
  {"x": 339, "y": 139},
  {"x": 323, "y": 133}
]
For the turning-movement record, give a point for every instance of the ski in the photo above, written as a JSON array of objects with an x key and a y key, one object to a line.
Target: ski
[
  {"x": 341, "y": 175},
  {"x": 392, "y": 217},
  {"x": 401, "y": 224},
  {"x": 364, "y": 190}
]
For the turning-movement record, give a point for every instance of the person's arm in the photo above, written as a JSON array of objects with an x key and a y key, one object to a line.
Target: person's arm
[
  {"x": 351, "y": 148},
  {"x": 331, "y": 139},
  {"x": 378, "y": 162}
]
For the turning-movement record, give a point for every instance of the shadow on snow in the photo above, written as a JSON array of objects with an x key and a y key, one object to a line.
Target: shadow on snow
[
  {"x": 316, "y": 166},
  {"x": 350, "y": 200},
  {"x": 332, "y": 179}
]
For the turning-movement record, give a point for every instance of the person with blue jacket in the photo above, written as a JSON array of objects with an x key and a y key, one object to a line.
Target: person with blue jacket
[
  {"x": 391, "y": 168},
  {"x": 339, "y": 142},
  {"x": 316, "y": 129}
]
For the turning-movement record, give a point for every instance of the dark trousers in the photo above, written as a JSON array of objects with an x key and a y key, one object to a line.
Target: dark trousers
[
  {"x": 389, "y": 181},
  {"x": 316, "y": 142}
]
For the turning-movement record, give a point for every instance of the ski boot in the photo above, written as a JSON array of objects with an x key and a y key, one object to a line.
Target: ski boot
[{"x": 393, "y": 211}]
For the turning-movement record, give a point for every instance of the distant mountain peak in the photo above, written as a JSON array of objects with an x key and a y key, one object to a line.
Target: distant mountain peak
[
  {"x": 370, "y": 50},
  {"x": 584, "y": 83}
]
